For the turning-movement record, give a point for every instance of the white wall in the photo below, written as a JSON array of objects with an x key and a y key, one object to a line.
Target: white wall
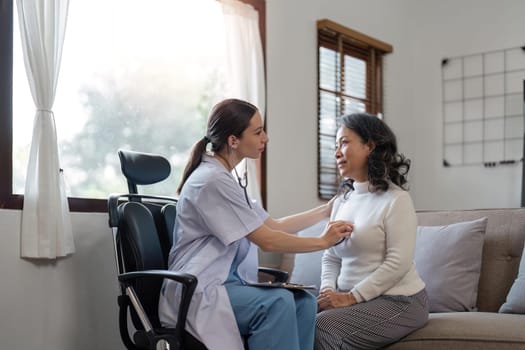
[
  {"x": 71, "y": 303},
  {"x": 65, "y": 304},
  {"x": 454, "y": 28},
  {"x": 422, "y": 32}
]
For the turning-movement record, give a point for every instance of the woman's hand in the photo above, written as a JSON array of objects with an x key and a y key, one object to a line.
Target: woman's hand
[
  {"x": 336, "y": 231},
  {"x": 328, "y": 299}
]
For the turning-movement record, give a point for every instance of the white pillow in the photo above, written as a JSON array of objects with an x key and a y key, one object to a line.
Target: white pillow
[
  {"x": 515, "y": 303},
  {"x": 448, "y": 259},
  {"x": 307, "y": 266}
]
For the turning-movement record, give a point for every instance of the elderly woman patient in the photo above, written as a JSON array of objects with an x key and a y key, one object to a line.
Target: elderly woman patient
[{"x": 371, "y": 294}]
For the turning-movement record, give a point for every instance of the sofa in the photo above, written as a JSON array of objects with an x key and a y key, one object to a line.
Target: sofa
[{"x": 494, "y": 245}]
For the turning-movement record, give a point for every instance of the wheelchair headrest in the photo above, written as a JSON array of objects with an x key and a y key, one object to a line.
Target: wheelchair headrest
[{"x": 143, "y": 168}]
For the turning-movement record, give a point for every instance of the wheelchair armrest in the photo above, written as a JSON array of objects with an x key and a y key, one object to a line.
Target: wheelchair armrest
[
  {"x": 188, "y": 281},
  {"x": 279, "y": 275},
  {"x": 184, "y": 278}
]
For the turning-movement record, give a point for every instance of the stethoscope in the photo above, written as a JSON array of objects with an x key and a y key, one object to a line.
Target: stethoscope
[
  {"x": 245, "y": 182},
  {"x": 239, "y": 180}
]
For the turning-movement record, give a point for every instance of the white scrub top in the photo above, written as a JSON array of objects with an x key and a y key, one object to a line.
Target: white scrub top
[{"x": 212, "y": 221}]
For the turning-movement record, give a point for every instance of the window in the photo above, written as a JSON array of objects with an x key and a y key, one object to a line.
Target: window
[
  {"x": 349, "y": 80},
  {"x": 132, "y": 78},
  {"x": 6, "y": 63}
]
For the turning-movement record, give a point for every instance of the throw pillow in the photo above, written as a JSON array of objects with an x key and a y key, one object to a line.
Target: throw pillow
[
  {"x": 448, "y": 259},
  {"x": 515, "y": 303},
  {"x": 307, "y": 266}
]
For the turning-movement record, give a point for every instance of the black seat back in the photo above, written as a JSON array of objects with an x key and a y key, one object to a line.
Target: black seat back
[
  {"x": 169, "y": 212},
  {"x": 146, "y": 169},
  {"x": 141, "y": 250}
]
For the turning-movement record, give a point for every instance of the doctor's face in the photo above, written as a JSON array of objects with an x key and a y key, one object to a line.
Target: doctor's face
[{"x": 253, "y": 139}]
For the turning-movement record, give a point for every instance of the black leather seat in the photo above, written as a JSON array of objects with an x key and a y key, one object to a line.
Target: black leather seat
[{"x": 142, "y": 228}]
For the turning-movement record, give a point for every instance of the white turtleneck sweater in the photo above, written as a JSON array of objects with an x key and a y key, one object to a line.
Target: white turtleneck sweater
[{"x": 377, "y": 258}]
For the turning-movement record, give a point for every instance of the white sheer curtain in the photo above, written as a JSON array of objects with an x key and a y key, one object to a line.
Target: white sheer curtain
[
  {"x": 46, "y": 224},
  {"x": 245, "y": 74},
  {"x": 245, "y": 67}
]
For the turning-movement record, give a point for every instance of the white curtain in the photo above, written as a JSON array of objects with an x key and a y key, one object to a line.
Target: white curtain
[
  {"x": 46, "y": 224},
  {"x": 245, "y": 67}
]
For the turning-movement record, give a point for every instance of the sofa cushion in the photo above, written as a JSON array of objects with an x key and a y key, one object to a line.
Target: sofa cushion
[
  {"x": 467, "y": 330},
  {"x": 307, "y": 266},
  {"x": 502, "y": 247},
  {"x": 515, "y": 303},
  {"x": 448, "y": 259}
]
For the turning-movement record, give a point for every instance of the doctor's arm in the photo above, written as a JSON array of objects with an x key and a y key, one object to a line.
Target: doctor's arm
[
  {"x": 300, "y": 221},
  {"x": 271, "y": 240}
]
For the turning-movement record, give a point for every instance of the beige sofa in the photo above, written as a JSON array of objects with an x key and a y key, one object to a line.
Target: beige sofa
[{"x": 484, "y": 328}]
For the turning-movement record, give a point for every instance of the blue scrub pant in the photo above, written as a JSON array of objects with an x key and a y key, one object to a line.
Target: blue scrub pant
[{"x": 274, "y": 318}]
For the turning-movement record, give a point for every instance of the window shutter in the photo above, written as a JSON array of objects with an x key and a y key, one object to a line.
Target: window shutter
[{"x": 349, "y": 81}]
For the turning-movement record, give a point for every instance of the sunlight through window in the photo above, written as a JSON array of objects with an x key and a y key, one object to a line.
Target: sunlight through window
[{"x": 135, "y": 74}]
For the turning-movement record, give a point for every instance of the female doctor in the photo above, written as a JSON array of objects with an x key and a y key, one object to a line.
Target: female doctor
[{"x": 214, "y": 230}]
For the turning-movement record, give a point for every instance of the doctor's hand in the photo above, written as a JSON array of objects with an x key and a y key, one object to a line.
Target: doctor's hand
[
  {"x": 336, "y": 231},
  {"x": 328, "y": 299}
]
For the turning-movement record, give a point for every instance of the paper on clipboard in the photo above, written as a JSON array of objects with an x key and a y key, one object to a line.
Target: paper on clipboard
[{"x": 281, "y": 285}]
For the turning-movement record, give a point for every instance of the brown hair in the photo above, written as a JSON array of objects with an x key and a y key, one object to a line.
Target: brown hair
[
  {"x": 228, "y": 117},
  {"x": 385, "y": 163}
]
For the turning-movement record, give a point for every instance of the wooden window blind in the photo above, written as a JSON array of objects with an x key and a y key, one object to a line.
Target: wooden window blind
[{"x": 349, "y": 81}]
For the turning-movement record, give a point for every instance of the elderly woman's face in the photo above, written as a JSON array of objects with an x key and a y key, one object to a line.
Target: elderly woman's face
[{"x": 351, "y": 155}]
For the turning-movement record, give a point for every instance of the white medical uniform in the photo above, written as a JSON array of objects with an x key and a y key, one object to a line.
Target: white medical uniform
[{"x": 213, "y": 219}]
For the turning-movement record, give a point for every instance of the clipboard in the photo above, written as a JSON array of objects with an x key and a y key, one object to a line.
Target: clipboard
[{"x": 281, "y": 285}]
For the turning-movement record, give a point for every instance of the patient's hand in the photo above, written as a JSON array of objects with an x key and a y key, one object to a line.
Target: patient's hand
[{"x": 329, "y": 299}]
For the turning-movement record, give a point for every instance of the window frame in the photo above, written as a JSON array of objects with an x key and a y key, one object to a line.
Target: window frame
[
  {"x": 9, "y": 200},
  {"x": 346, "y": 42}
]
